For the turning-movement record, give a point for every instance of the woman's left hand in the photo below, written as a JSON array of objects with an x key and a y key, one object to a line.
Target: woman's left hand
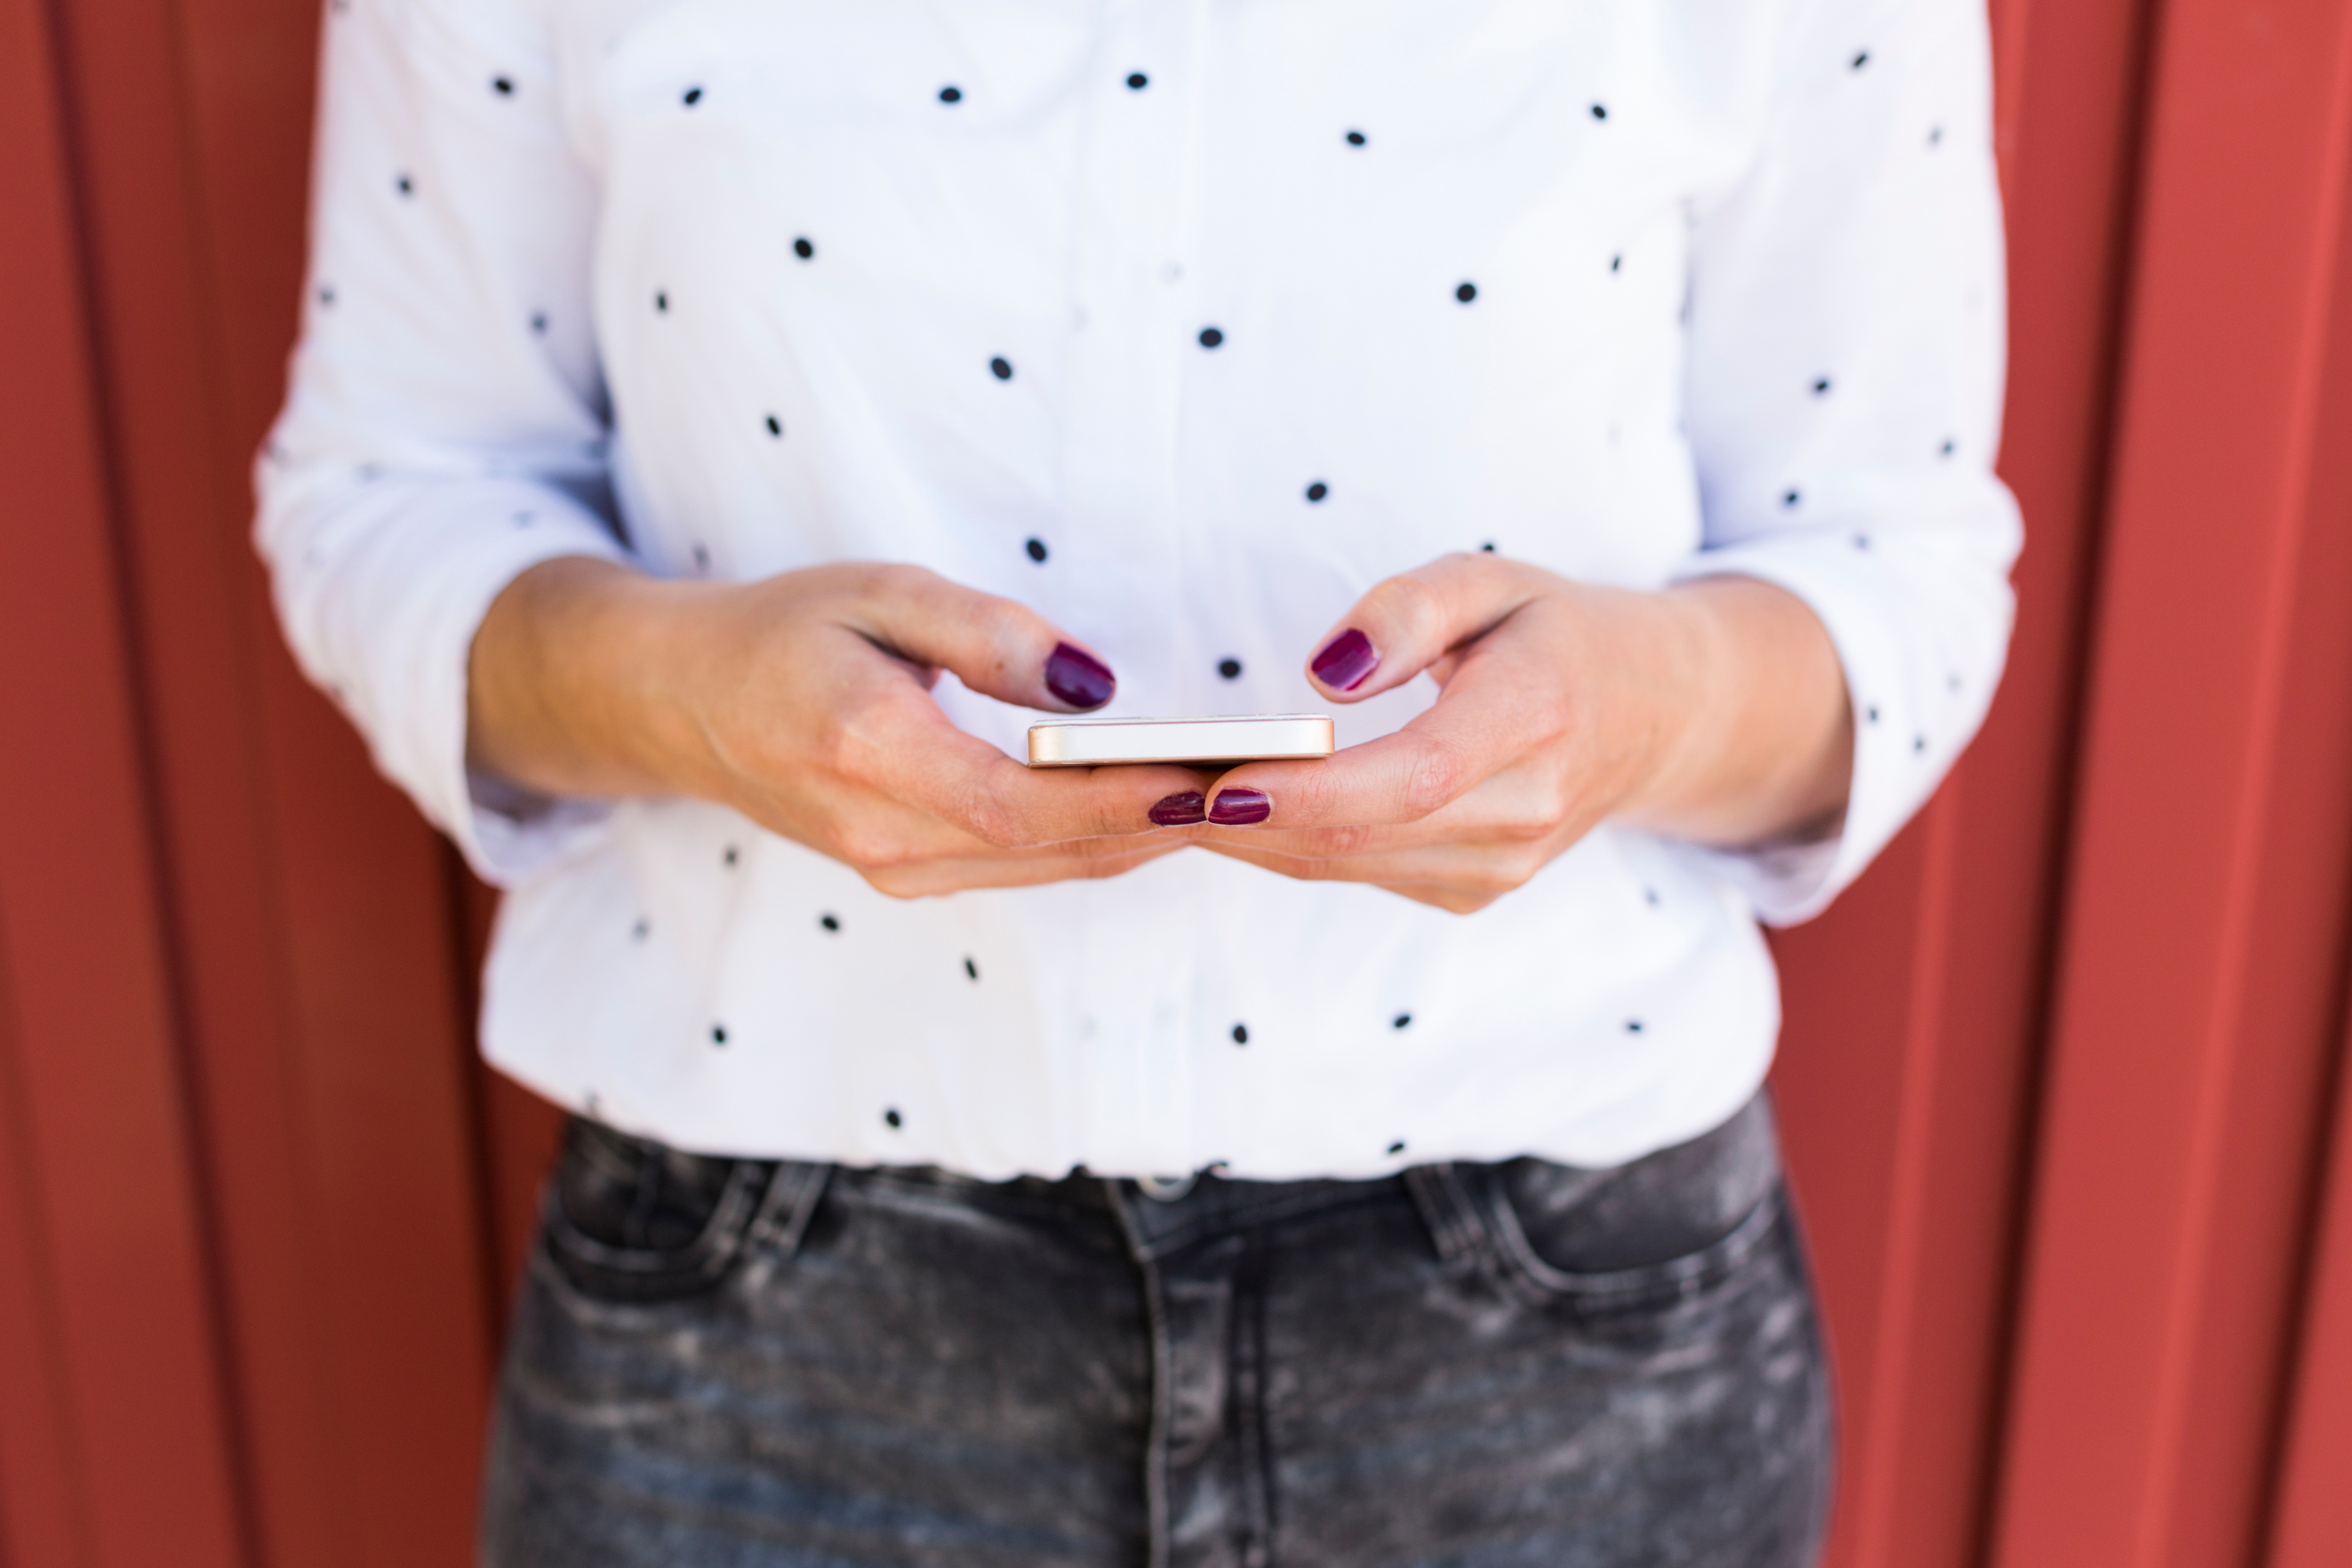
[{"x": 1715, "y": 711}]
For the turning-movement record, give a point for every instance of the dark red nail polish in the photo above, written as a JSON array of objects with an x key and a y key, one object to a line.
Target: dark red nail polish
[
  {"x": 1346, "y": 661},
  {"x": 1240, "y": 807},
  {"x": 1078, "y": 677},
  {"x": 1180, "y": 810}
]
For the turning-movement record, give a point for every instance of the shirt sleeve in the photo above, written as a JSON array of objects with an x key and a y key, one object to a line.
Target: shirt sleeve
[
  {"x": 1847, "y": 344},
  {"x": 445, "y": 425}
]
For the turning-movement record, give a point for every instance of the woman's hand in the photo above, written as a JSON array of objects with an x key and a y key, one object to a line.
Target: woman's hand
[
  {"x": 803, "y": 702},
  {"x": 1716, "y": 711}
]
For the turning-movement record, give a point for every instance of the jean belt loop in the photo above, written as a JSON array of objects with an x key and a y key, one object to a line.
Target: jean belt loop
[{"x": 1442, "y": 1193}]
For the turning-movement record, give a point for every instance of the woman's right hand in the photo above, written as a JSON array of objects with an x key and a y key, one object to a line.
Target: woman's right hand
[{"x": 803, "y": 702}]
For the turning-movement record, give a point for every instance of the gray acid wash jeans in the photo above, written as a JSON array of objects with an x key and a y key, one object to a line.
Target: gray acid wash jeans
[{"x": 727, "y": 1363}]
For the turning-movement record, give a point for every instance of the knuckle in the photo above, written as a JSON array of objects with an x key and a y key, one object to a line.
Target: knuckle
[
  {"x": 993, "y": 822},
  {"x": 870, "y": 850},
  {"x": 1435, "y": 778},
  {"x": 1413, "y": 604},
  {"x": 1532, "y": 822},
  {"x": 1340, "y": 841},
  {"x": 893, "y": 884}
]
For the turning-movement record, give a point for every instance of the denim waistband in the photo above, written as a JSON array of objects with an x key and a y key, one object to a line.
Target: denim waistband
[{"x": 1159, "y": 1217}]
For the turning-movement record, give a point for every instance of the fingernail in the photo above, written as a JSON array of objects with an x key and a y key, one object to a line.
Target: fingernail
[
  {"x": 1180, "y": 810},
  {"x": 1346, "y": 661},
  {"x": 1077, "y": 678},
  {"x": 1240, "y": 807}
]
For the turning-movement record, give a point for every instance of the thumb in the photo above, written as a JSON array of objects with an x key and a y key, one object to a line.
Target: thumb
[
  {"x": 994, "y": 646},
  {"x": 1413, "y": 620}
]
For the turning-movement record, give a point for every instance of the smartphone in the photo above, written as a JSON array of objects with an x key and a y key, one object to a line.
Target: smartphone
[{"x": 1096, "y": 742}]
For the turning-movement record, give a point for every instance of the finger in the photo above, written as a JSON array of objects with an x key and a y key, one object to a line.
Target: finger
[
  {"x": 1017, "y": 869},
  {"x": 901, "y": 746},
  {"x": 1522, "y": 803},
  {"x": 1449, "y": 875},
  {"x": 1411, "y": 621},
  {"x": 1496, "y": 710},
  {"x": 993, "y": 645}
]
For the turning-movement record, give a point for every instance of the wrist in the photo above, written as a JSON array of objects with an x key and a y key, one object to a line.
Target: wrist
[
  {"x": 1672, "y": 656},
  {"x": 572, "y": 677},
  {"x": 1756, "y": 736}
]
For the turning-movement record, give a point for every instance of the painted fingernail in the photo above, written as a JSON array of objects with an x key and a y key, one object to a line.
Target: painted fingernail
[
  {"x": 1077, "y": 678},
  {"x": 1240, "y": 807},
  {"x": 1180, "y": 810},
  {"x": 1346, "y": 661}
]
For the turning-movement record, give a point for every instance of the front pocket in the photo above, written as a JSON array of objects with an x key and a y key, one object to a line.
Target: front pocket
[
  {"x": 1649, "y": 1285},
  {"x": 625, "y": 1220},
  {"x": 1666, "y": 1224}
]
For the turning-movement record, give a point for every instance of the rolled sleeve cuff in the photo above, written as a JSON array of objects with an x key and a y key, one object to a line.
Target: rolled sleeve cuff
[
  {"x": 391, "y": 620},
  {"x": 1899, "y": 756}
]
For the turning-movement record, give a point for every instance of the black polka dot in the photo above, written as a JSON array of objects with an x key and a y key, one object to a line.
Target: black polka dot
[
  {"x": 661, "y": 301},
  {"x": 892, "y": 1116},
  {"x": 1650, "y": 897},
  {"x": 950, "y": 95},
  {"x": 1861, "y": 542},
  {"x": 1397, "y": 1147},
  {"x": 1210, "y": 337},
  {"x": 830, "y": 923},
  {"x": 718, "y": 1034},
  {"x": 1600, "y": 111},
  {"x": 1399, "y": 1021},
  {"x": 1870, "y": 715},
  {"x": 1632, "y": 1025},
  {"x": 1241, "y": 1033},
  {"x": 1935, "y": 136},
  {"x": 1487, "y": 548},
  {"x": 1136, "y": 81},
  {"x": 702, "y": 557},
  {"x": 692, "y": 96},
  {"x": 404, "y": 185},
  {"x": 776, "y": 425},
  {"x": 732, "y": 855},
  {"x": 1036, "y": 549},
  {"x": 1793, "y": 498},
  {"x": 1318, "y": 491},
  {"x": 1949, "y": 446},
  {"x": 326, "y": 293},
  {"x": 539, "y": 322},
  {"x": 1231, "y": 668},
  {"x": 1355, "y": 138},
  {"x": 1861, "y": 58},
  {"x": 1465, "y": 292},
  {"x": 1001, "y": 368},
  {"x": 803, "y": 249},
  {"x": 1919, "y": 743},
  {"x": 1617, "y": 263},
  {"x": 503, "y": 85},
  {"x": 642, "y": 930},
  {"x": 972, "y": 969},
  {"x": 1821, "y": 386}
]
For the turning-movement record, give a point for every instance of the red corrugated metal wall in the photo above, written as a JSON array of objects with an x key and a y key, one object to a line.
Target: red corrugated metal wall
[{"x": 2062, "y": 1079}]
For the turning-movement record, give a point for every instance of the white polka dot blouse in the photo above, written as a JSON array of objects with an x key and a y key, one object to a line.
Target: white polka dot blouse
[{"x": 1185, "y": 324}]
